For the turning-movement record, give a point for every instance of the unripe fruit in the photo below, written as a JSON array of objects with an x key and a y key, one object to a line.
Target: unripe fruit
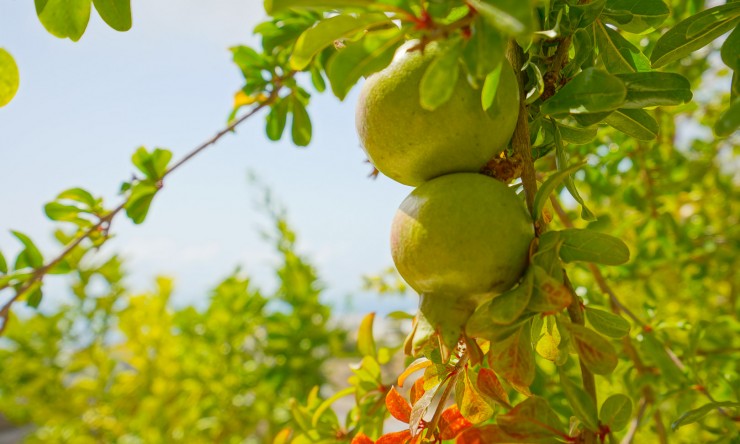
[
  {"x": 457, "y": 240},
  {"x": 412, "y": 145}
]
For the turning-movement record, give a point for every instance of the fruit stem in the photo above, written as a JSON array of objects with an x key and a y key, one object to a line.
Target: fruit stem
[
  {"x": 520, "y": 139},
  {"x": 451, "y": 380}
]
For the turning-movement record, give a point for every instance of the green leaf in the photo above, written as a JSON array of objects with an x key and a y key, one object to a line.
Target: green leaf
[
  {"x": 582, "y": 404},
  {"x": 328, "y": 402},
  {"x": 646, "y": 89},
  {"x": 484, "y": 51},
  {"x": 729, "y": 121},
  {"x": 116, "y": 13},
  {"x": 616, "y": 412},
  {"x": 550, "y": 295},
  {"x": 592, "y": 90},
  {"x": 582, "y": 15},
  {"x": 730, "y": 51},
  {"x": 513, "y": 358},
  {"x": 301, "y": 127},
  {"x": 3, "y": 264},
  {"x": 513, "y": 17},
  {"x": 596, "y": 353},
  {"x": 617, "y": 54},
  {"x": 591, "y": 119},
  {"x": 362, "y": 58},
  {"x": 365, "y": 340},
  {"x": 139, "y": 201},
  {"x": 576, "y": 135},
  {"x": 543, "y": 193},
  {"x": 9, "y": 77},
  {"x": 276, "y": 119},
  {"x": 607, "y": 323},
  {"x": 78, "y": 195},
  {"x": 506, "y": 308},
  {"x": 153, "y": 164},
  {"x": 64, "y": 18},
  {"x": 636, "y": 16},
  {"x": 490, "y": 86},
  {"x": 273, "y": 7},
  {"x": 695, "y": 415},
  {"x": 440, "y": 78},
  {"x": 592, "y": 246},
  {"x": 60, "y": 212},
  {"x": 34, "y": 297},
  {"x": 30, "y": 256},
  {"x": 677, "y": 43},
  {"x": 532, "y": 418},
  {"x": 561, "y": 161},
  {"x": 315, "y": 39},
  {"x": 583, "y": 42},
  {"x": 636, "y": 123}
]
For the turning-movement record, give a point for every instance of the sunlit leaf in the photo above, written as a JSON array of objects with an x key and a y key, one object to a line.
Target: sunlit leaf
[
  {"x": 9, "y": 77},
  {"x": 472, "y": 405},
  {"x": 677, "y": 42}
]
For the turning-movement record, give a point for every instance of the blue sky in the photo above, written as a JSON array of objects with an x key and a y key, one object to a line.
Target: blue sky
[{"x": 83, "y": 108}]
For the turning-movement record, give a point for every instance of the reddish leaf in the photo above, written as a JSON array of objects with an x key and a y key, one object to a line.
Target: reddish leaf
[
  {"x": 513, "y": 358},
  {"x": 361, "y": 438},
  {"x": 398, "y": 406},
  {"x": 487, "y": 434},
  {"x": 415, "y": 366},
  {"x": 402, "y": 437},
  {"x": 597, "y": 353},
  {"x": 417, "y": 390},
  {"x": 452, "y": 423},
  {"x": 550, "y": 295},
  {"x": 490, "y": 386}
]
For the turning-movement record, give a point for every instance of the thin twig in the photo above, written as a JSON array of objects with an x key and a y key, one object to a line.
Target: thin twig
[
  {"x": 520, "y": 139},
  {"x": 40, "y": 272},
  {"x": 459, "y": 367},
  {"x": 635, "y": 423}
]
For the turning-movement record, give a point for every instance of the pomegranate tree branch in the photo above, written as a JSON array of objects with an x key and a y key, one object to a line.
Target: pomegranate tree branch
[{"x": 38, "y": 274}]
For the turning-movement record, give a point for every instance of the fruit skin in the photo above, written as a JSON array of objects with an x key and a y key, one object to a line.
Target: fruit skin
[
  {"x": 461, "y": 234},
  {"x": 412, "y": 145},
  {"x": 458, "y": 240}
]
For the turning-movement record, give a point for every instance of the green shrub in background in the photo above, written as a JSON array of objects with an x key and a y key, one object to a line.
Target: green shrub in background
[{"x": 119, "y": 367}]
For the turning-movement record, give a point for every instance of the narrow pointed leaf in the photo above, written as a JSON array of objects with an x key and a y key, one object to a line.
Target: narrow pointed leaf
[
  {"x": 636, "y": 123},
  {"x": 552, "y": 182},
  {"x": 618, "y": 54},
  {"x": 365, "y": 340},
  {"x": 490, "y": 386},
  {"x": 645, "y": 89},
  {"x": 472, "y": 404},
  {"x": 636, "y": 16},
  {"x": 678, "y": 43},
  {"x": 697, "y": 414}
]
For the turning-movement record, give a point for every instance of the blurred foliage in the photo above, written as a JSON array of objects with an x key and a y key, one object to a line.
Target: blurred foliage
[{"x": 129, "y": 368}]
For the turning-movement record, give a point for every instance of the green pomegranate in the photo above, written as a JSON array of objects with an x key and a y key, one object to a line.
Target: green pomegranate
[
  {"x": 457, "y": 240},
  {"x": 412, "y": 145}
]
